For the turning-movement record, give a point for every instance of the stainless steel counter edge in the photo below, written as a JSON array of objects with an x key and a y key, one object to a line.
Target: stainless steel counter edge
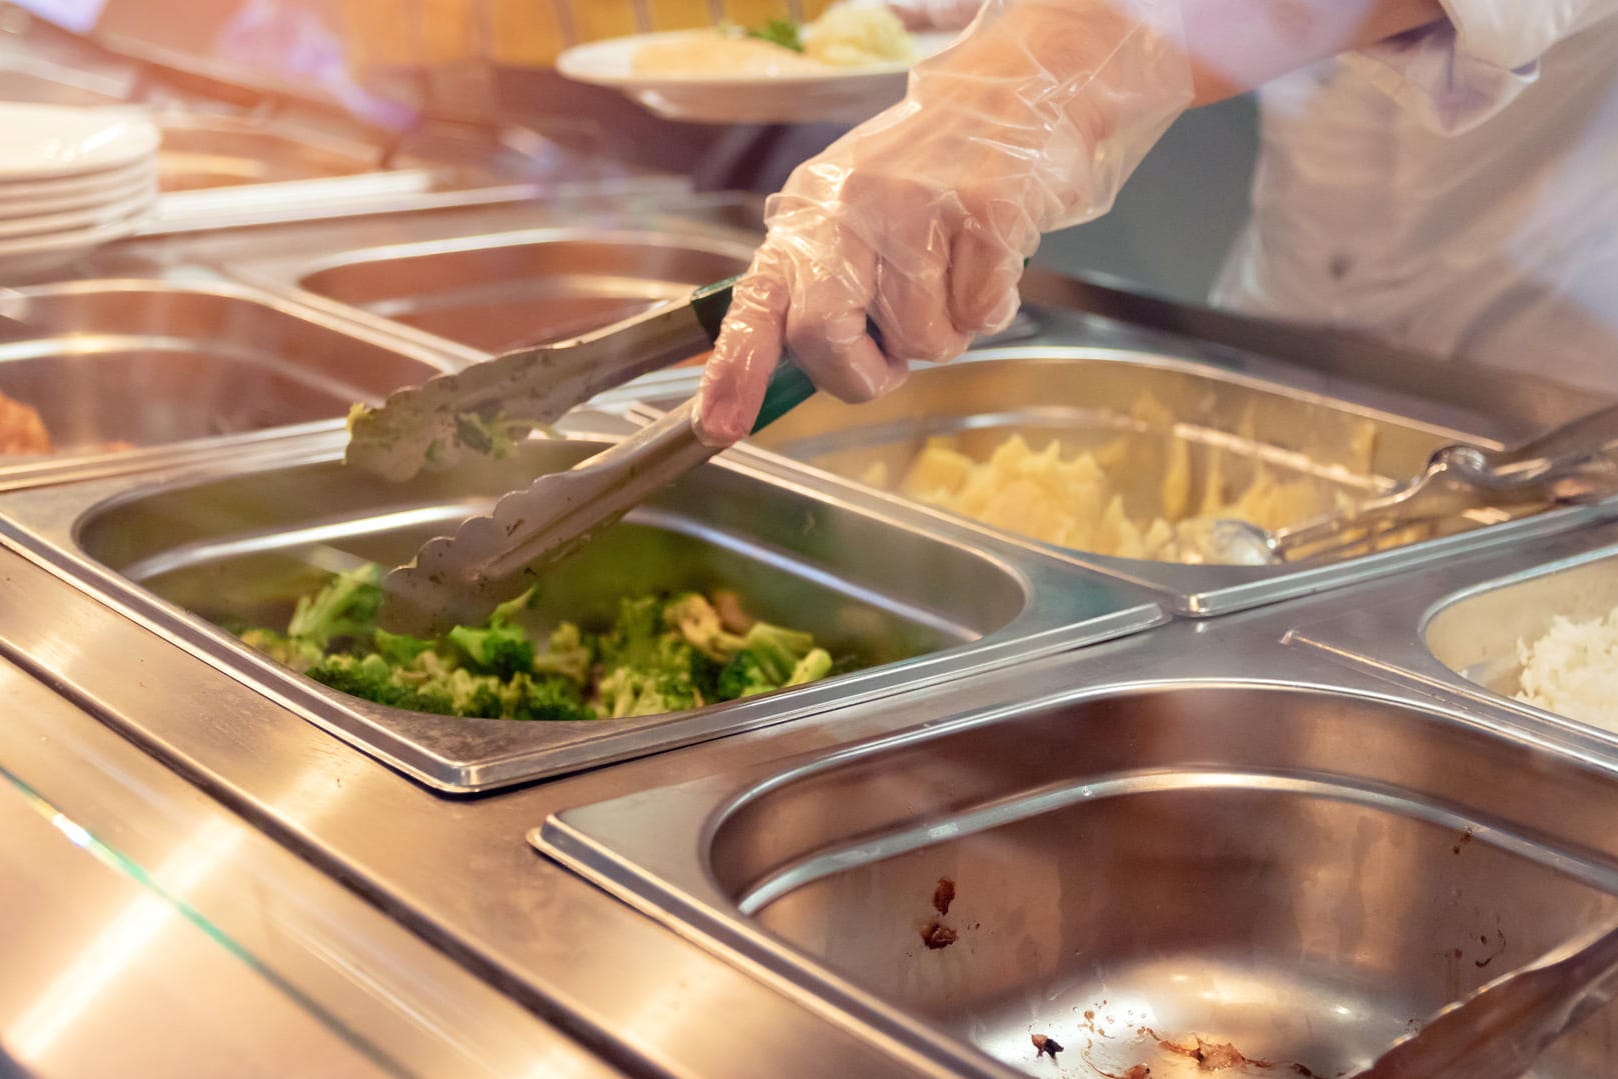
[{"x": 194, "y": 920}]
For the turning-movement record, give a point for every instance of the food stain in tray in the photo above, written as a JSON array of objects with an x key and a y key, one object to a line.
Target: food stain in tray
[
  {"x": 1199, "y": 1054},
  {"x": 943, "y": 895},
  {"x": 1045, "y": 1045},
  {"x": 23, "y": 433}
]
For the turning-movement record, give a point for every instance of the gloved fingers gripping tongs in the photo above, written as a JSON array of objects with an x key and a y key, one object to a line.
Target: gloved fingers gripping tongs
[{"x": 460, "y": 579}]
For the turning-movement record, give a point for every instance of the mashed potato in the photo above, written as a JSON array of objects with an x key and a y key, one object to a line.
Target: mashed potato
[
  {"x": 1078, "y": 500},
  {"x": 858, "y": 37},
  {"x": 1572, "y": 670},
  {"x": 842, "y": 37}
]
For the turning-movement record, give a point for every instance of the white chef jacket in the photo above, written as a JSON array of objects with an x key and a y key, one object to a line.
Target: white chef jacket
[{"x": 1454, "y": 190}]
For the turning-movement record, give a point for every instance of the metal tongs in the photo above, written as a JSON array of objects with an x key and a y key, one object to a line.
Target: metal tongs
[
  {"x": 460, "y": 579},
  {"x": 1498, "y": 1031},
  {"x": 1575, "y": 462}
]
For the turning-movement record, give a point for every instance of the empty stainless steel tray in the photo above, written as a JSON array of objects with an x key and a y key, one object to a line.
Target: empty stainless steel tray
[
  {"x": 921, "y": 606},
  {"x": 1085, "y": 398},
  {"x": 1299, "y": 872},
  {"x": 171, "y": 370},
  {"x": 202, "y": 151},
  {"x": 494, "y": 292}
]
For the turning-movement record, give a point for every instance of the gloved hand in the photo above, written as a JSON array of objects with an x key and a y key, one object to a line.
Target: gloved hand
[{"x": 921, "y": 218}]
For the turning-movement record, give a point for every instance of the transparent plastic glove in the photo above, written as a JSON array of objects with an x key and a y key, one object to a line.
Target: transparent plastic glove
[{"x": 920, "y": 219}]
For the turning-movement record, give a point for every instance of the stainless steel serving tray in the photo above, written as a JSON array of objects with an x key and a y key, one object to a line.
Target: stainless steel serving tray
[
  {"x": 1297, "y": 870},
  {"x": 496, "y": 291},
  {"x": 925, "y": 602},
  {"x": 1455, "y": 628},
  {"x": 1084, "y": 396},
  {"x": 182, "y": 370}
]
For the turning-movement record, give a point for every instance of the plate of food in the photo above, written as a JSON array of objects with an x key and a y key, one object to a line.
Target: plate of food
[{"x": 847, "y": 65}]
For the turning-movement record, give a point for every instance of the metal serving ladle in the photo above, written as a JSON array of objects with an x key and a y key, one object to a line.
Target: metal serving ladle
[{"x": 1571, "y": 463}]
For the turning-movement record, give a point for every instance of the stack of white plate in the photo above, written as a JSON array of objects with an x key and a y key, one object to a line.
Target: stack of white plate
[{"x": 70, "y": 179}]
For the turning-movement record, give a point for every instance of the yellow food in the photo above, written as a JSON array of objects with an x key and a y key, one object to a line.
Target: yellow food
[
  {"x": 842, "y": 37},
  {"x": 858, "y": 37},
  {"x": 1078, "y": 501}
]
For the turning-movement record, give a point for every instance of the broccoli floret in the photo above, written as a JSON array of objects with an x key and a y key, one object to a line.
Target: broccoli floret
[
  {"x": 663, "y": 674},
  {"x": 657, "y": 657},
  {"x": 506, "y": 614},
  {"x": 772, "y": 659},
  {"x": 345, "y": 608},
  {"x": 502, "y": 650},
  {"x": 777, "y": 649},
  {"x": 811, "y": 668},
  {"x": 372, "y": 678},
  {"x": 549, "y": 698},
  {"x": 495, "y": 436},
  {"x": 300, "y": 655},
  {"x": 699, "y": 623},
  {"x": 634, "y": 635},
  {"x": 744, "y": 677},
  {"x": 628, "y": 691},
  {"x": 466, "y": 694},
  {"x": 569, "y": 654},
  {"x": 399, "y": 649}
]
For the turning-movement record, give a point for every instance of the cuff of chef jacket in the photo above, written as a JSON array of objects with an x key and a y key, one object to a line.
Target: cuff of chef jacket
[{"x": 1439, "y": 72}]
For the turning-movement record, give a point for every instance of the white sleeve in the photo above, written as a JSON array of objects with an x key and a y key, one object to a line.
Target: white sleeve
[{"x": 1459, "y": 72}]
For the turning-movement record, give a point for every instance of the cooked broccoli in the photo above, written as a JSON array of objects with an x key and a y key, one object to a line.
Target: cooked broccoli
[
  {"x": 777, "y": 649},
  {"x": 374, "y": 679},
  {"x": 628, "y": 691},
  {"x": 634, "y": 634},
  {"x": 699, "y": 623},
  {"x": 657, "y": 656},
  {"x": 345, "y": 608},
  {"x": 476, "y": 696},
  {"x": 811, "y": 668},
  {"x": 744, "y": 677},
  {"x": 298, "y": 654},
  {"x": 399, "y": 649},
  {"x": 496, "y": 436},
  {"x": 548, "y": 698},
  {"x": 501, "y": 649},
  {"x": 652, "y": 675},
  {"x": 569, "y": 654}
]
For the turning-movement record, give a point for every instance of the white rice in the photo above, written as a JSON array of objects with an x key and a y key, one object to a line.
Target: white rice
[{"x": 1573, "y": 670}]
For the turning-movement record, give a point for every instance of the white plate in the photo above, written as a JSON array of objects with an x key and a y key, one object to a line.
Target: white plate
[
  {"x": 96, "y": 184},
  {"x": 70, "y": 239},
  {"x": 76, "y": 220},
  {"x": 129, "y": 186},
  {"x": 41, "y": 142},
  {"x": 839, "y": 94}
]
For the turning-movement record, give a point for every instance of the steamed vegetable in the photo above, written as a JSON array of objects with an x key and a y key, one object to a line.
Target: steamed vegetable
[{"x": 657, "y": 655}]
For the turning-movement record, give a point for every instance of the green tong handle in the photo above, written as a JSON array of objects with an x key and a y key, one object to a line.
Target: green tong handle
[{"x": 789, "y": 387}]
